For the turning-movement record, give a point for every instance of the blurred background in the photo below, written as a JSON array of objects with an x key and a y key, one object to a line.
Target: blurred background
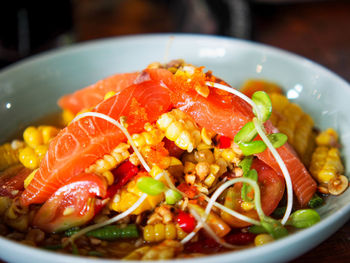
[{"x": 318, "y": 30}]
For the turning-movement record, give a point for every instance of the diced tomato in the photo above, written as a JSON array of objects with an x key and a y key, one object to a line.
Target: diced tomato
[
  {"x": 12, "y": 180},
  {"x": 272, "y": 188},
  {"x": 72, "y": 204},
  {"x": 173, "y": 149},
  {"x": 186, "y": 221},
  {"x": 189, "y": 190},
  {"x": 122, "y": 174}
]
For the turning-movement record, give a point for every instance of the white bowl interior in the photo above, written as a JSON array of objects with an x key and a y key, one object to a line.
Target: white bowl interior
[{"x": 29, "y": 90}]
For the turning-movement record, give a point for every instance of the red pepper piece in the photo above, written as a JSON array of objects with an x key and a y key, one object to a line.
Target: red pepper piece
[
  {"x": 190, "y": 191},
  {"x": 225, "y": 142},
  {"x": 240, "y": 238},
  {"x": 122, "y": 174},
  {"x": 186, "y": 221}
]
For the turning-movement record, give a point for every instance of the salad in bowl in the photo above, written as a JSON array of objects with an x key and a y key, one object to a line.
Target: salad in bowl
[{"x": 169, "y": 162}]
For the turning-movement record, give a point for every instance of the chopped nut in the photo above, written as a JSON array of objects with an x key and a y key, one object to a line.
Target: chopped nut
[
  {"x": 338, "y": 184},
  {"x": 202, "y": 170}
]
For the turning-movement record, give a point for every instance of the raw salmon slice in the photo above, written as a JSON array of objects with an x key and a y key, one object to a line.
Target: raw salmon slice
[
  {"x": 84, "y": 141},
  {"x": 92, "y": 95},
  {"x": 226, "y": 114}
]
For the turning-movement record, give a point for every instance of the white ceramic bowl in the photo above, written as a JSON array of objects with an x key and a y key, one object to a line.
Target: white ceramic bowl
[{"x": 30, "y": 89}]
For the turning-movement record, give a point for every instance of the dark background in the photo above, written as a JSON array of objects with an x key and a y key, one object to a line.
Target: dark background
[{"x": 318, "y": 30}]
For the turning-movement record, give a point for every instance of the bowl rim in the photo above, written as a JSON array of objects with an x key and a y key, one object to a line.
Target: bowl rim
[{"x": 340, "y": 216}]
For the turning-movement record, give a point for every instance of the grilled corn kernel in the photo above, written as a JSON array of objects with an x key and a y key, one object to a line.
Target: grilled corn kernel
[
  {"x": 32, "y": 136},
  {"x": 159, "y": 232},
  {"x": 180, "y": 128},
  {"x": 229, "y": 155},
  {"x": 17, "y": 144},
  {"x": 297, "y": 125},
  {"x": 328, "y": 137},
  {"x": 109, "y": 162},
  {"x": 174, "y": 130},
  {"x": 8, "y": 156},
  {"x": 109, "y": 94},
  {"x": 40, "y": 151},
  {"x": 262, "y": 239},
  {"x": 109, "y": 177},
  {"x": 48, "y": 133},
  {"x": 326, "y": 164},
  {"x": 28, "y": 158},
  {"x": 164, "y": 121},
  {"x": 184, "y": 141},
  {"x": 206, "y": 136}
]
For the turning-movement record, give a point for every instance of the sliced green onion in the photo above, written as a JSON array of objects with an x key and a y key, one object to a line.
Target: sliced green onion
[
  {"x": 245, "y": 164},
  {"x": 274, "y": 228},
  {"x": 257, "y": 229},
  {"x": 150, "y": 186},
  {"x": 277, "y": 139},
  {"x": 303, "y": 218},
  {"x": 172, "y": 196},
  {"x": 254, "y": 147},
  {"x": 315, "y": 201},
  {"x": 263, "y": 102},
  {"x": 71, "y": 231},
  {"x": 246, "y": 188},
  {"x": 246, "y": 133}
]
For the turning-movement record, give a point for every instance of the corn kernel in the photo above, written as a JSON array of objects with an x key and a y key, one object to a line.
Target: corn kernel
[
  {"x": 229, "y": 155},
  {"x": 184, "y": 141},
  {"x": 40, "y": 151},
  {"x": 206, "y": 136},
  {"x": 209, "y": 180},
  {"x": 32, "y": 136},
  {"x": 109, "y": 176},
  {"x": 148, "y": 233},
  {"x": 165, "y": 120},
  {"x": 170, "y": 231},
  {"x": 159, "y": 232},
  {"x": 262, "y": 239},
  {"x": 48, "y": 132},
  {"x": 174, "y": 161},
  {"x": 67, "y": 117},
  {"x": 174, "y": 130},
  {"x": 28, "y": 158}
]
